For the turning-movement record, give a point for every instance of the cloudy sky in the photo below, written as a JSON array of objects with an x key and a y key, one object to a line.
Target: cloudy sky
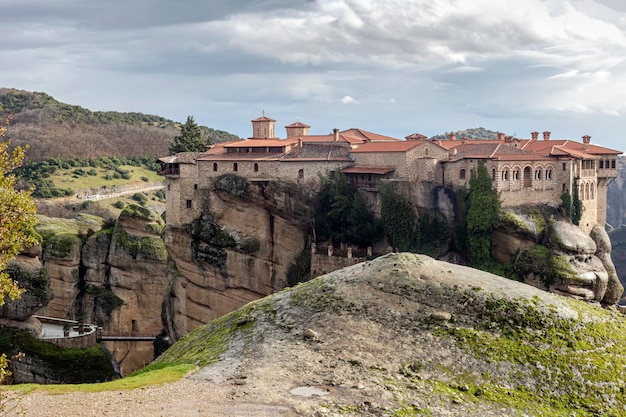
[{"x": 393, "y": 67}]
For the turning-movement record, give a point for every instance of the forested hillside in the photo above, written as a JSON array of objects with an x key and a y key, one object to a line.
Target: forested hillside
[
  {"x": 57, "y": 130},
  {"x": 474, "y": 133}
]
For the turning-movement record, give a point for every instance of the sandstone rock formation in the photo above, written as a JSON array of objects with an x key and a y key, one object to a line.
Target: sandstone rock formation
[
  {"x": 240, "y": 250},
  {"x": 548, "y": 251},
  {"x": 407, "y": 335}
]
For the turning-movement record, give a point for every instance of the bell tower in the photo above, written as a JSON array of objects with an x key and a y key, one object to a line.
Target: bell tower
[{"x": 263, "y": 127}]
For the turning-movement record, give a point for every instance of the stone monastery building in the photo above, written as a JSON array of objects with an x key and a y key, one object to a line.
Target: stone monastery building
[{"x": 525, "y": 171}]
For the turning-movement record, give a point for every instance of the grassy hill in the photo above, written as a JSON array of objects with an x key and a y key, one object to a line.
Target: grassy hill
[{"x": 57, "y": 130}]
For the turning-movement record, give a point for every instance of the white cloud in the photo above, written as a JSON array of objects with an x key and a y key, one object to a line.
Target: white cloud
[{"x": 348, "y": 100}]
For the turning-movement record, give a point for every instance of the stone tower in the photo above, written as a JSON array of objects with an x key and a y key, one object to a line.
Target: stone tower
[{"x": 263, "y": 128}]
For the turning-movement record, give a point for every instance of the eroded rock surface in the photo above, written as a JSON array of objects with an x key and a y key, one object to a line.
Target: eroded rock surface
[{"x": 549, "y": 252}]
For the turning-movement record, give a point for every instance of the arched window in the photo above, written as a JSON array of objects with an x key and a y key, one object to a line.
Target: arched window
[
  {"x": 300, "y": 173},
  {"x": 493, "y": 174},
  {"x": 548, "y": 174},
  {"x": 592, "y": 191},
  {"x": 256, "y": 167},
  {"x": 505, "y": 175},
  {"x": 587, "y": 191},
  {"x": 235, "y": 167},
  {"x": 538, "y": 174},
  {"x": 516, "y": 174},
  {"x": 462, "y": 174},
  {"x": 527, "y": 179},
  {"x": 214, "y": 166}
]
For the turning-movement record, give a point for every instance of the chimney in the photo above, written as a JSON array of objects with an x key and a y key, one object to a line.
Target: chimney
[
  {"x": 452, "y": 136},
  {"x": 546, "y": 135},
  {"x": 300, "y": 143},
  {"x": 534, "y": 135},
  {"x": 336, "y": 134},
  {"x": 508, "y": 139},
  {"x": 586, "y": 141},
  {"x": 500, "y": 136}
]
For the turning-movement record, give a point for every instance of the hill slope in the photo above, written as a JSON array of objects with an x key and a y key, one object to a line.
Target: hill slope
[
  {"x": 403, "y": 335},
  {"x": 408, "y": 335},
  {"x": 58, "y": 130}
]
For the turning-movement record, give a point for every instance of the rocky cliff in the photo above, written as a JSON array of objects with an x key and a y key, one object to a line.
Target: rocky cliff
[
  {"x": 240, "y": 250},
  {"x": 546, "y": 250},
  {"x": 135, "y": 278},
  {"x": 407, "y": 335}
]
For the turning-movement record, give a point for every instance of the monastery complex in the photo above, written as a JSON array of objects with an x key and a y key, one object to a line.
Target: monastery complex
[{"x": 525, "y": 171}]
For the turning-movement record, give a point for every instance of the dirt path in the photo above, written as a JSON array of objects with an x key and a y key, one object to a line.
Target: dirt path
[{"x": 183, "y": 398}]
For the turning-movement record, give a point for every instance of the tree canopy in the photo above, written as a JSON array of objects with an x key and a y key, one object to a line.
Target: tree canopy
[
  {"x": 191, "y": 138},
  {"x": 17, "y": 216},
  {"x": 342, "y": 212}
]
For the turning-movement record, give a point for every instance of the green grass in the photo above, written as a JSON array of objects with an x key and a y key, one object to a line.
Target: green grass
[
  {"x": 66, "y": 178},
  {"x": 151, "y": 375}
]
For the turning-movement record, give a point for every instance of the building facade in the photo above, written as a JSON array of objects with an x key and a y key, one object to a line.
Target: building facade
[{"x": 524, "y": 171}]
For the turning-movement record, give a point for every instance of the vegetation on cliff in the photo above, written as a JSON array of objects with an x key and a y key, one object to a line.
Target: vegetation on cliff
[
  {"x": 409, "y": 229},
  {"x": 342, "y": 212},
  {"x": 67, "y": 365},
  {"x": 482, "y": 216}
]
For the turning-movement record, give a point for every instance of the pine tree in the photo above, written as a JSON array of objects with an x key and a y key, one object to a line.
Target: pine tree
[{"x": 190, "y": 139}]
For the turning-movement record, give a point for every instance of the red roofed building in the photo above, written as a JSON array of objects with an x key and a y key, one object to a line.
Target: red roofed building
[{"x": 525, "y": 171}]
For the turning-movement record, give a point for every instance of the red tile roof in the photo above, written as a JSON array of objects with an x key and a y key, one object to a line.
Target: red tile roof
[
  {"x": 369, "y": 136},
  {"x": 263, "y": 119},
  {"x": 298, "y": 124},
  {"x": 398, "y": 146},
  {"x": 260, "y": 143}
]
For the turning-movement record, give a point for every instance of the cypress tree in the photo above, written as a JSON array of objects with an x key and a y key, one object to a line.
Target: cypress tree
[{"x": 482, "y": 216}]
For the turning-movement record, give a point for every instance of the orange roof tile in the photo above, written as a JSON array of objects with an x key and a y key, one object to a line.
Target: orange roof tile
[
  {"x": 398, "y": 146},
  {"x": 364, "y": 134},
  {"x": 298, "y": 124},
  {"x": 260, "y": 143}
]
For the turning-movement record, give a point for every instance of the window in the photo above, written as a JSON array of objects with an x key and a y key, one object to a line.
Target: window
[
  {"x": 505, "y": 175},
  {"x": 214, "y": 166},
  {"x": 548, "y": 174},
  {"x": 462, "y": 174},
  {"x": 537, "y": 174},
  {"x": 235, "y": 167},
  {"x": 563, "y": 188},
  {"x": 592, "y": 191},
  {"x": 564, "y": 166},
  {"x": 613, "y": 164},
  {"x": 195, "y": 186},
  {"x": 168, "y": 187},
  {"x": 188, "y": 204},
  {"x": 256, "y": 167},
  {"x": 300, "y": 173},
  {"x": 493, "y": 174},
  {"x": 601, "y": 164},
  {"x": 516, "y": 174}
]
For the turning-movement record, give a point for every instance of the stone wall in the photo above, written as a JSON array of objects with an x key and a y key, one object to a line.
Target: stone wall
[{"x": 323, "y": 264}]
